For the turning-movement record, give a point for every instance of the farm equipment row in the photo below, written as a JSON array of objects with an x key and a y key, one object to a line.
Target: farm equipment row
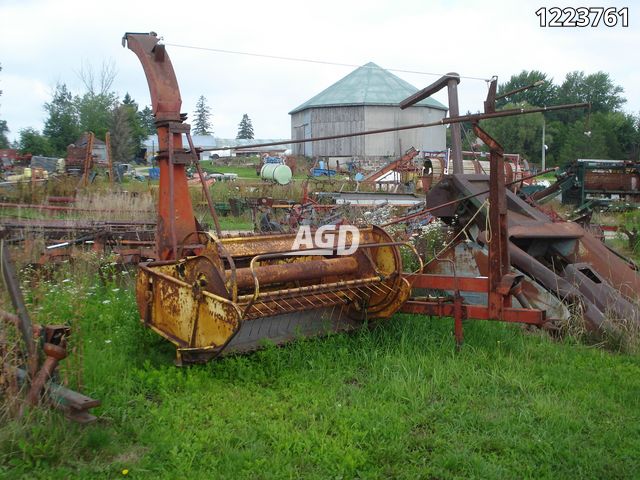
[{"x": 211, "y": 294}]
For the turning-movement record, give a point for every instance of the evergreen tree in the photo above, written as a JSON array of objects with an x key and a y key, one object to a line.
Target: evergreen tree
[
  {"x": 95, "y": 111},
  {"x": 61, "y": 125},
  {"x": 202, "y": 115},
  {"x": 138, "y": 131},
  {"x": 147, "y": 121},
  {"x": 123, "y": 144},
  {"x": 245, "y": 128},
  {"x": 4, "y": 129}
]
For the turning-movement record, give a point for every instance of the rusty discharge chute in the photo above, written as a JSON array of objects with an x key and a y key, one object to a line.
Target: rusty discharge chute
[{"x": 175, "y": 220}]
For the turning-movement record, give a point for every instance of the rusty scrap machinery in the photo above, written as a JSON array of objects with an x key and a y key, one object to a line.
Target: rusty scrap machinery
[
  {"x": 210, "y": 294},
  {"x": 207, "y": 293}
]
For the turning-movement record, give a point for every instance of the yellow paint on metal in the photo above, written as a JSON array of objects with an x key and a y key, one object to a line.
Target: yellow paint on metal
[{"x": 195, "y": 304}]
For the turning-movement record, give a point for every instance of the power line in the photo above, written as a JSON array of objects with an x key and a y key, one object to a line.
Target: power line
[
  {"x": 309, "y": 60},
  {"x": 473, "y": 117}
]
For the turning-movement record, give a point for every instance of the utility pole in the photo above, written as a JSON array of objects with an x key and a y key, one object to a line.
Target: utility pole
[
  {"x": 456, "y": 131},
  {"x": 544, "y": 147}
]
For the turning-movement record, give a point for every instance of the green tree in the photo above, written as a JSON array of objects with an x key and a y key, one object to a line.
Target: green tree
[
  {"x": 541, "y": 95},
  {"x": 138, "y": 130},
  {"x": 570, "y": 134},
  {"x": 32, "y": 141},
  {"x": 4, "y": 129},
  {"x": 245, "y": 128},
  {"x": 147, "y": 121},
  {"x": 604, "y": 132},
  {"x": 61, "y": 125},
  {"x": 123, "y": 144},
  {"x": 96, "y": 105},
  {"x": 202, "y": 115},
  {"x": 519, "y": 134},
  {"x": 609, "y": 136},
  {"x": 95, "y": 111},
  {"x": 596, "y": 88}
]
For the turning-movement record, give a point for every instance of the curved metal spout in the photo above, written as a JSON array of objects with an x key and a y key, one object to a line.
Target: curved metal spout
[
  {"x": 163, "y": 84},
  {"x": 175, "y": 212}
]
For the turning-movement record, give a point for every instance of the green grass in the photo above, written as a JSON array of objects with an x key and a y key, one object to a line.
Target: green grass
[
  {"x": 243, "y": 172},
  {"x": 247, "y": 172},
  {"x": 550, "y": 177},
  {"x": 395, "y": 401},
  {"x": 235, "y": 223}
]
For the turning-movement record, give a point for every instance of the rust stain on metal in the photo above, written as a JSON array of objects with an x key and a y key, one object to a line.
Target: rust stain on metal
[{"x": 189, "y": 301}]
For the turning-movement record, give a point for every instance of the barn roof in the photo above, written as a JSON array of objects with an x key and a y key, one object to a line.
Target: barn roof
[{"x": 367, "y": 85}]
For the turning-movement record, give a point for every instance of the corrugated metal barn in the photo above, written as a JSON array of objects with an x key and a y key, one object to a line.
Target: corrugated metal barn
[{"x": 368, "y": 98}]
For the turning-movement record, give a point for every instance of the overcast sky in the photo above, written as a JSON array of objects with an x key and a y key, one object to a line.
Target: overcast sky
[{"x": 43, "y": 42}]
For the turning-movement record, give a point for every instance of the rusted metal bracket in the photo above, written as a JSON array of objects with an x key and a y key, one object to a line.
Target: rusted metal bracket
[
  {"x": 490, "y": 102},
  {"x": 500, "y": 284},
  {"x": 499, "y": 264},
  {"x": 75, "y": 405}
]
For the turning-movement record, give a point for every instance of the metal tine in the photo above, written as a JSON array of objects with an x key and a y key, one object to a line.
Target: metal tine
[
  {"x": 310, "y": 302},
  {"x": 297, "y": 299},
  {"x": 287, "y": 303},
  {"x": 367, "y": 287},
  {"x": 268, "y": 307},
  {"x": 356, "y": 293},
  {"x": 366, "y": 295},
  {"x": 322, "y": 302},
  {"x": 277, "y": 306},
  {"x": 340, "y": 299},
  {"x": 258, "y": 310},
  {"x": 380, "y": 290}
]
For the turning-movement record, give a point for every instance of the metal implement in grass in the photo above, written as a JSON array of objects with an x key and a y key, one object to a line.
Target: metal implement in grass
[
  {"x": 210, "y": 294},
  {"x": 562, "y": 257},
  {"x": 238, "y": 292},
  {"x": 48, "y": 342}
]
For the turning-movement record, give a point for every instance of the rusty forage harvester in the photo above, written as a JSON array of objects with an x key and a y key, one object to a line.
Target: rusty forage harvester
[{"x": 207, "y": 293}]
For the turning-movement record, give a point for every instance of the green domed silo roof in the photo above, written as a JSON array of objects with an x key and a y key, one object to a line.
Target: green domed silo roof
[{"x": 367, "y": 85}]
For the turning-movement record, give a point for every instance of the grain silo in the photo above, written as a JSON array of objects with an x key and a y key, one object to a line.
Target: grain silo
[{"x": 366, "y": 99}]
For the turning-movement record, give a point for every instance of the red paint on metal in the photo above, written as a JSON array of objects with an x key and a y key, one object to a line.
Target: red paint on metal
[
  {"x": 477, "y": 312},
  {"x": 447, "y": 282},
  {"x": 176, "y": 220}
]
